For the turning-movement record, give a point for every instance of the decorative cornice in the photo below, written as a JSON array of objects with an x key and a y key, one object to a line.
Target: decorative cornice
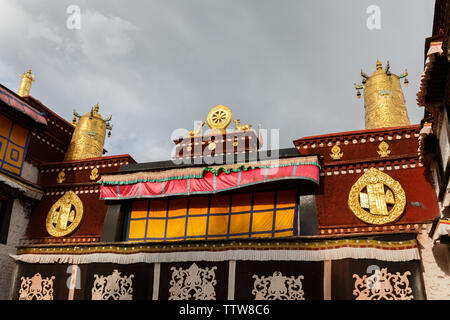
[
  {"x": 349, "y": 138},
  {"x": 347, "y": 229}
]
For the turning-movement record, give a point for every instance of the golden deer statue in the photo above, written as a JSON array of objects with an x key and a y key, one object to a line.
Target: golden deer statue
[
  {"x": 243, "y": 127},
  {"x": 195, "y": 133}
]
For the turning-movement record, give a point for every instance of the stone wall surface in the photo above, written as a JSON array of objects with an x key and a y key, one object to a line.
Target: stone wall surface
[
  {"x": 17, "y": 228},
  {"x": 435, "y": 261}
]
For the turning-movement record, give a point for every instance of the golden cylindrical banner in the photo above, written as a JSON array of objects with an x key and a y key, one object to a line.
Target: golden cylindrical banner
[{"x": 384, "y": 101}]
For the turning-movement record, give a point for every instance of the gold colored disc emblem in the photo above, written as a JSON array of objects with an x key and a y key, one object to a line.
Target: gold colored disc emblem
[
  {"x": 376, "y": 198},
  {"x": 219, "y": 118},
  {"x": 65, "y": 215}
]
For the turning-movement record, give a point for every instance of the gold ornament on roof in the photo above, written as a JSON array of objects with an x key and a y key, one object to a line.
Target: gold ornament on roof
[
  {"x": 219, "y": 118},
  {"x": 89, "y": 135},
  {"x": 25, "y": 84},
  {"x": 94, "y": 174},
  {"x": 383, "y": 149},
  {"x": 65, "y": 215},
  {"x": 376, "y": 198},
  {"x": 243, "y": 127},
  {"x": 61, "y": 177},
  {"x": 383, "y": 98},
  {"x": 336, "y": 153},
  {"x": 196, "y": 133}
]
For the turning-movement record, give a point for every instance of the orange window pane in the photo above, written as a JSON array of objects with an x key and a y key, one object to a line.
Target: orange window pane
[
  {"x": 137, "y": 229},
  {"x": 158, "y": 208},
  {"x": 9, "y": 168},
  {"x": 242, "y": 202},
  {"x": 219, "y": 204},
  {"x": 3, "y": 143},
  {"x": 177, "y": 207},
  {"x": 196, "y": 226},
  {"x": 139, "y": 209},
  {"x": 5, "y": 126},
  {"x": 240, "y": 223},
  {"x": 198, "y": 205},
  {"x": 155, "y": 228},
  {"x": 286, "y": 198},
  {"x": 284, "y": 219},
  {"x": 261, "y": 235},
  {"x": 176, "y": 227},
  {"x": 262, "y": 221},
  {"x": 218, "y": 225},
  {"x": 263, "y": 201},
  {"x": 284, "y": 234},
  {"x": 19, "y": 135},
  {"x": 237, "y": 237}
]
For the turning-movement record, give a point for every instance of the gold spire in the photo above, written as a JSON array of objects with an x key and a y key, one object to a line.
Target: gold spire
[
  {"x": 384, "y": 102},
  {"x": 25, "y": 84},
  {"x": 89, "y": 135}
]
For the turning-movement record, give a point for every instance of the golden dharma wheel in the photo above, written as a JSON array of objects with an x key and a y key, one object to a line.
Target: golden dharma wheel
[{"x": 219, "y": 118}]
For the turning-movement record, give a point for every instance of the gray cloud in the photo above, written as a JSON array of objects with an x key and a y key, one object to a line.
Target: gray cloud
[{"x": 160, "y": 65}]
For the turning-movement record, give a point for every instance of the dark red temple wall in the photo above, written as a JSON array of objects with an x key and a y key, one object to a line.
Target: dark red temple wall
[
  {"x": 39, "y": 150},
  {"x": 332, "y": 207},
  {"x": 92, "y": 224},
  {"x": 363, "y": 151}
]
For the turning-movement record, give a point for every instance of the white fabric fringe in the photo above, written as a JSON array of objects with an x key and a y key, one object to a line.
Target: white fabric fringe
[{"x": 254, "y": 255}]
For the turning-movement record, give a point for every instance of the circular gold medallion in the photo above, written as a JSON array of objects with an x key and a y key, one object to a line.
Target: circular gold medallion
[
  {"x": 219, "y": 118},
  {"x": 65, "y": 215},
  {"x": 376, "y": 198}
]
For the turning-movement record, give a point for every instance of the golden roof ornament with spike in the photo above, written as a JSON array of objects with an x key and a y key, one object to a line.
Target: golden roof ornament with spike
[
  {"x": 384, "y": 102},
  {"x": 89, "y": 135},
  {"x": 25, "y": 83}
]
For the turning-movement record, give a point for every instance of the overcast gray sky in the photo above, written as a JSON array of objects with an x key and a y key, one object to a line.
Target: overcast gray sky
[{"x": 160, "y": 65}]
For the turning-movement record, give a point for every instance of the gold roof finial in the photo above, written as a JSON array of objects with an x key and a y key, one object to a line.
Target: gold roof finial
[
  {"x": 383, "y": 98},
  {"x": 379, "y": 65},
  {"x": 25, "y": 84},
  {"x": 89, "y": 135}
]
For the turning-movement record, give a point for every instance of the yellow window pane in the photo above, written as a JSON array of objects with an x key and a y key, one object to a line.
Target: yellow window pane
[
  {"x": 176, "y": 227},
  {"x": 240, "y": 223},
  {"x": 139, "y": 209},
  {"x": 155, "y": 228},
  {"x": 3, "y": 143},
  {"x": 286, "y": 198},
  {"x": 5, "y": 126},
  {"x": 19, "y": 135},
  {"x": 9, "y": 168},
  {"x": 196, "y": 226},
  {"x": 263, "y": 201},
  {"x": 261, "y": 235},
  {"x": 242, "y": 202},
  {"x": 158, "y": 208},
  {"x": 237, "y": 237},
  {"x": 219, "y": 204},
  {"x": 218, "y": 225},
  {"x": 177, "y": 207},
  {"x": 198, "y": 205},
  {"x": 137, "y": 229},
  {"x": 284, "y": 219},
  {"x": 262, "y": 221},
  {"x": 284, "y": 234}
]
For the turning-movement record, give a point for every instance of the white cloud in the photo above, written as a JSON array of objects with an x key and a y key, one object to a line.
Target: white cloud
[{"x": 105, "y": 36}]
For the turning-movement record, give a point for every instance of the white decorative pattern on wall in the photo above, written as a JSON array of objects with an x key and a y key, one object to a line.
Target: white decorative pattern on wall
[
  {"x": 114, "y": 286},
  {"x": 36, "y": 288},
  {"x": 193, "y": 283},
  {"x": 382, "y": 285},
  {"x": 278, "y": 287}
]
